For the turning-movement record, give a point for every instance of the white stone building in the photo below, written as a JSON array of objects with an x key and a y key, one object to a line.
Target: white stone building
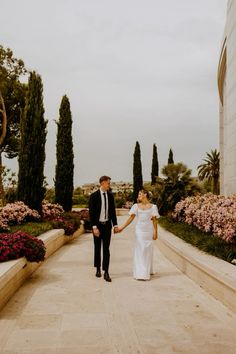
[{"x": 227, "y": 94}]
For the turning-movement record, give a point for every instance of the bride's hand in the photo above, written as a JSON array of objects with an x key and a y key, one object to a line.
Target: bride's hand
[{"x": 155, "y": 236}]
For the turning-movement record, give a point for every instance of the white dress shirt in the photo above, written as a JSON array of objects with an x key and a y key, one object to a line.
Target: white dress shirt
[{"x": 104, "y": 217}]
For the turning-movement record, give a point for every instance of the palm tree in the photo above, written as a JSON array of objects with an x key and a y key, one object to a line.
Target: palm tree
[
  {"x": 176, "y": 185},
  {"x": 210, "y": 170}
]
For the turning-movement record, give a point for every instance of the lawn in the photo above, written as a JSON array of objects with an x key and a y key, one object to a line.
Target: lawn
[
  {"x": 206, "y": 242},
  {"x": 32, "y": 228}
]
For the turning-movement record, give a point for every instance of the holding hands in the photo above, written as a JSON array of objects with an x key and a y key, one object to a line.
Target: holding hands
[{"x": 117, "y": 229}]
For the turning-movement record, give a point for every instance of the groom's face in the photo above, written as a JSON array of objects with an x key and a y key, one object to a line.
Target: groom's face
[{"x": 105, "y": 185}]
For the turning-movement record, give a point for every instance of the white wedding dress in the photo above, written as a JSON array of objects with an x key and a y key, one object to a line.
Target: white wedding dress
[{"x": 143, "y": 249}]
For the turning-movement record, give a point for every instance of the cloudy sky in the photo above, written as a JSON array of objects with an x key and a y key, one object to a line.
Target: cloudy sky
[{"x": 134, "y": 70}]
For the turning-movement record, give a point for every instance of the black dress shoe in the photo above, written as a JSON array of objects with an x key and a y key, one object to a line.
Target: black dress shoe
[
  {"x": 107, "y": 277},
  {"x": 98, "y": 273}
]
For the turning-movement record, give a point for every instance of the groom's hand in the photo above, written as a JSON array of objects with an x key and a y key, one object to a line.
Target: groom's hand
[
  {"x": 96, "y": 232},
  {"x": 116, "y": 230}
]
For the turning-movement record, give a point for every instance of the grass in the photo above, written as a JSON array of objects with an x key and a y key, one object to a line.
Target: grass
[
  {"x": 33, "y": 228},
  {"x": 206, "y": 242}
]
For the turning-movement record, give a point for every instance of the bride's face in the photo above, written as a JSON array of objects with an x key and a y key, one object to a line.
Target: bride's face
[{"x": 141, "y": 196}]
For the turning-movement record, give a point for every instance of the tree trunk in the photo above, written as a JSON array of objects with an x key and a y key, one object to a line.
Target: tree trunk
[
  {"x": 2, "y": 194},
  {"x": 2, "y": 137},
  {"x": 215, "y": 185},
  {"x": 4, "y": 120}
]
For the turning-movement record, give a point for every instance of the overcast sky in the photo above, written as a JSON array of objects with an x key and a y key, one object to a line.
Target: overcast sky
[{"x": 134, "y": 70}]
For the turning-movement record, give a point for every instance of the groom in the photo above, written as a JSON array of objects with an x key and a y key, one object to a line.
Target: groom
[{"x": 102, "y": 217}]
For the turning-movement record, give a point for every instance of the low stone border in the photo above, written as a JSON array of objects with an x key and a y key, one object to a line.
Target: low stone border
[
  {"x": 122, "y": 211},
  {"x": 119, "y": 211},
  {"x": 14, "y": 273},
  {"x": 214, "y": 275}
]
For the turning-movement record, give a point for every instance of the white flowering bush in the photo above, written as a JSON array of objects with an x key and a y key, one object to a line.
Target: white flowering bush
[
  {"x": 51, "y": 211},
  {"x": 209, "y": 213},
  {"x": 16, "y": 213}
]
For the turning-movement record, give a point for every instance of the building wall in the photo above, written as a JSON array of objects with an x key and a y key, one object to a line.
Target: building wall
[{"x": 227, "y": 90}]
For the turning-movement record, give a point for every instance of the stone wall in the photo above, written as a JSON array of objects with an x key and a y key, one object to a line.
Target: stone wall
[{"x": 227, "y": 92}]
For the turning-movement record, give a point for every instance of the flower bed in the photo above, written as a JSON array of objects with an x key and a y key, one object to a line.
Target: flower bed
[
  {"x": 17, "y": 244},
  {"x": 16, "y": 213},
  {"x": 51, "y": 211},
  {"x": 84, "y": 215},
  {"x": 21, "y": 244},
  {"x": 209, "y": 213},
  {"x": 70, "y": 222}
]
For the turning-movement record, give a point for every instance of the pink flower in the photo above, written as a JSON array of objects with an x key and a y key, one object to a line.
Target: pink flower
[
  {"x": 209, "y": 213},
  {"x": 50, "y": 211}
]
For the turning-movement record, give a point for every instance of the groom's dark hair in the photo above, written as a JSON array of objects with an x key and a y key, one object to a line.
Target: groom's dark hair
[{"x": 104, "y": 178}]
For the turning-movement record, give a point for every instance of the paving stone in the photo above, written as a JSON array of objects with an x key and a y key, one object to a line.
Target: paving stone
[{"x": 63, "y": 308}]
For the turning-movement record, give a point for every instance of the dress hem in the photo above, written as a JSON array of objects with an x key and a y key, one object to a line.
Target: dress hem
[{"x": 142, "y": 278}]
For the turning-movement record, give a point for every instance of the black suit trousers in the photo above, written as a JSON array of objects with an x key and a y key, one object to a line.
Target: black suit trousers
[{"x": 103, "y": 241}]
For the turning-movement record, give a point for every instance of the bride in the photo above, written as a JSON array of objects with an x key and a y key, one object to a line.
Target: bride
[{"x": 145, "y": 233}]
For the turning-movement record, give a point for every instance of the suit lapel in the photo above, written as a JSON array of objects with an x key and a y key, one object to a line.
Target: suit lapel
[
  {"x": 99, "y": 201},
  {"x": 109, "y": 200}
]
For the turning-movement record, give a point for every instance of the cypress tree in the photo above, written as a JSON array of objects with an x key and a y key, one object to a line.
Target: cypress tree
[
  {"x": 155, "y": 165},
  {"x": 170, "y": 158},
  {"x": 137, "y": 172},
  {"x": 65, "y": 166},
  {"x": 32, "y": 146}
]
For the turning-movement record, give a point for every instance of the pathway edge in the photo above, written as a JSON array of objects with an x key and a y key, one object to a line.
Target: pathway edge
[{"x": 214, "y": 275}]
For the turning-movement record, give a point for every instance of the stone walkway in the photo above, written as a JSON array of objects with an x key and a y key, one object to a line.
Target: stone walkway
[{"x": 63, "y": 308}]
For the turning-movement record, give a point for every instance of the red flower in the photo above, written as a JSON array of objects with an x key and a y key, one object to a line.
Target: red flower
[{"x": 21, "y": 244}]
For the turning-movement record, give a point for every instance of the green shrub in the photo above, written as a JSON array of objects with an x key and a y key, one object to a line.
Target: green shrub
[{"x": 205, "y": 241}]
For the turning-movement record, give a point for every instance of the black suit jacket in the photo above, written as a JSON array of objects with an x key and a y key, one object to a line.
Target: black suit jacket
[{"x": 95, "y": 204}]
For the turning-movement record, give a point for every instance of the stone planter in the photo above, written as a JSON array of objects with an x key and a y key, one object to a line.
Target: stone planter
[{"x": 14, "y": 273}]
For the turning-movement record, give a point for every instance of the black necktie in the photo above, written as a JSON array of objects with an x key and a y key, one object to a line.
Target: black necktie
[{"x": 105, "y": 199}]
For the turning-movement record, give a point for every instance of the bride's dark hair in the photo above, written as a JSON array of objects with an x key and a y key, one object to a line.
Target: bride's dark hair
[{"x": 144, "y": 191}]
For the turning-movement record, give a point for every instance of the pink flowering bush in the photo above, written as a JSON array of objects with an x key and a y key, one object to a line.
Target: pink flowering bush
[
  {"x": 209, "y": 213},
  {"x": 21, "y": 244},
  {"x": 16, "y": 213},
  {"x": 3, "y": 224},
  {"x": 51, "y": 211},
  {"x": 84, "y": 216},
  {"x": 128, "y": 205}
]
